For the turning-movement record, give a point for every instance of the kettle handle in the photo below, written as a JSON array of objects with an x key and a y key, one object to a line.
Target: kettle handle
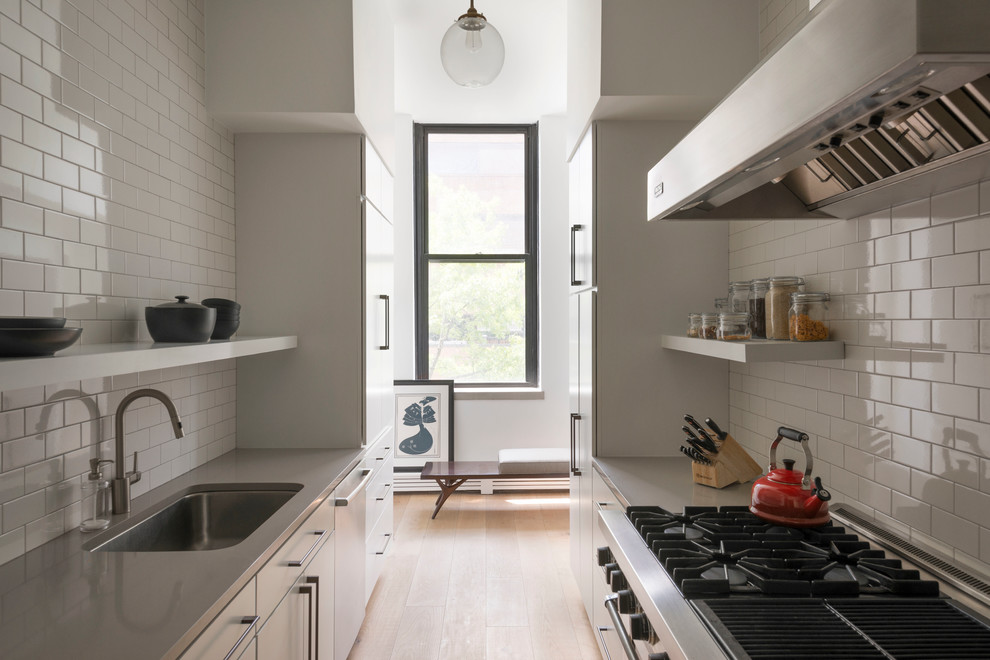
[{"x": 797, "y": 436}]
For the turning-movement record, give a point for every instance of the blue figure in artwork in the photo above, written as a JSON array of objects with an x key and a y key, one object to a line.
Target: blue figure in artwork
[{"x": 418, "y": 414}]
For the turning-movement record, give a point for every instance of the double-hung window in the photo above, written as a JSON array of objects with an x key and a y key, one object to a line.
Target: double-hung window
[{"x": 476, "y": 254}]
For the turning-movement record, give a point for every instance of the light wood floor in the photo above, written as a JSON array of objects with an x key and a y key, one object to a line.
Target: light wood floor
[{"x": 489, "y": 579}]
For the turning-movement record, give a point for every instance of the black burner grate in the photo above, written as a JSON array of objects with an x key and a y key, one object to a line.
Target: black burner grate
[
  {"x": 851, "y": 629},
  {"x": 720, "y": 551}
]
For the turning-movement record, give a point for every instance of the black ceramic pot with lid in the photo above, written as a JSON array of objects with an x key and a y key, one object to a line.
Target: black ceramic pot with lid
[{"x": 180, "y": 322}]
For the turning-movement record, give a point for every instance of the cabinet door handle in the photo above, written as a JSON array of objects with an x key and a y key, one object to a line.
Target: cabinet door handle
[
  {"x": 388, "y": 539},
  {"x": 624, "y": 638},
  {"x": 366, "y": 477},
  {"x": 388, "y": 306},
  {"x": 248, "y": 621},
  {"x": 311, "y": 645},
  {"x": 319, "y": 537},
  {"x": 574, "y": 230},
  {"x": 575, "y": 418}
]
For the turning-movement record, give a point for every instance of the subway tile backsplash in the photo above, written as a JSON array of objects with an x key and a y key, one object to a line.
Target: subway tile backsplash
[
  {"x": 900, "y": 426},
  {"x": 117, "y": 192}
]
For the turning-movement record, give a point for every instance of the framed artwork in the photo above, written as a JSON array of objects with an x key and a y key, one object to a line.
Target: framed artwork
[{"x": 424, "y": 423}]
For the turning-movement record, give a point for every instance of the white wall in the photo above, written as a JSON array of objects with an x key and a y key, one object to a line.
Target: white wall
[
  {"x": 256, "y": 48},
  {"x": 482, "y": 427},
  {"x": 901, "y": 426},
  {"x": 118, "y": 192}
]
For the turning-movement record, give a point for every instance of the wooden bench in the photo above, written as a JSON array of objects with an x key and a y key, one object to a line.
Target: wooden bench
[{"x": 512, "y": 464}]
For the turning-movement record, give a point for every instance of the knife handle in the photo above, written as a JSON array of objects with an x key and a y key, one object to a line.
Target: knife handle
[{"x": 715, "y": 428}]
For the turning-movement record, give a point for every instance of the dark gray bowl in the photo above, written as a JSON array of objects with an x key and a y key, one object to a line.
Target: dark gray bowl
[
  {"x": 31, "y": 322},
  {"x": 180, "y": 322},
  {"x": 32, "y": 342},
  {"x": 225, "y": 328},
  {"x": 222, "y": 304}
]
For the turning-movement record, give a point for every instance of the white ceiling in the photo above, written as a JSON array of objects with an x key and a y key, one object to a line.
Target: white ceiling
[{"x": 533, "y": 81}]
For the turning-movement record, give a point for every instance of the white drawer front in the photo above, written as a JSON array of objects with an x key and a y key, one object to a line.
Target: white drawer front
[
  {"x": 379, "y": 544},
  {"x": 379, "y": 492},
  {"x": 281, "y": 571}
]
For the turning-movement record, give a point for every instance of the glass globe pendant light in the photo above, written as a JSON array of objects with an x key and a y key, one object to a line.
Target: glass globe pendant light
[{"x": 472, "y": 51}]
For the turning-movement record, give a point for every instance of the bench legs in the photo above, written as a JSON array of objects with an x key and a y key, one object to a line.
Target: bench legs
[{"x": 447, "y": 488}]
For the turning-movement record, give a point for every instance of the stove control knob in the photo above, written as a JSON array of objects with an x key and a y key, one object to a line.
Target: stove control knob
[
  {"x": 617, "y": 581},
  {"x": 627, "y": 601},
  {"x": 604, "y": 556},
  {"x": 639, "y": 627}
]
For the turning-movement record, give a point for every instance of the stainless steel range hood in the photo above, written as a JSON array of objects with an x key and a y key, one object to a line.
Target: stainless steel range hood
[{"x": 871, "y": 103}]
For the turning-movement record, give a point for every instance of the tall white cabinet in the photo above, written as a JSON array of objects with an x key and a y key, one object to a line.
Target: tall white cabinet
[
  {"x": 314, "y": 259},
  {"x": 631, "y": 282}
]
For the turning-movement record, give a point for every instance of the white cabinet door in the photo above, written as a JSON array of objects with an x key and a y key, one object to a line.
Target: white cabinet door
[
  {"x": 582, "y": 316},
  {"x": 320, "y": 575},
  {"x": 349, "y": 559},
  {"x": 287, "y": 634},
  {"x": 581, "y": 202},
  {"x": 379, "y": 291}
]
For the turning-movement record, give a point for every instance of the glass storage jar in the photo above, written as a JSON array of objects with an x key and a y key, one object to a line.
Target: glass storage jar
[
  {"x": 739, "y": 297},
  {"x": 709, "y": 325},
  {"x": 758, "y": 308},
  {"x": 722, "y": 305},
  {"x": 808, "y": 317},
  {"x": 694, "y": 325},
  {"x": 733, "y": 326},
  {"x": 778, "y": 304}
]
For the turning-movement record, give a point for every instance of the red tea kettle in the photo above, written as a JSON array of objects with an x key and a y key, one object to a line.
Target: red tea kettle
[{"x": 784, "y": 496}]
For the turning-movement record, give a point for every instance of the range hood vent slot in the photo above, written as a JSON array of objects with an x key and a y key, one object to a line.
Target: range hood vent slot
[
  {"x": 867, "y": 106},
  {"x": 920, "y": 129}
]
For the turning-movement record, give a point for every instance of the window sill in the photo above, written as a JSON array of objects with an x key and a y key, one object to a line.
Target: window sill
[{"x": 497, "y": 393}]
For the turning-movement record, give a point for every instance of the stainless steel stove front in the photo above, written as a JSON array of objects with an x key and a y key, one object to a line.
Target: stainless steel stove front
[{"x": 679, "y": 631}]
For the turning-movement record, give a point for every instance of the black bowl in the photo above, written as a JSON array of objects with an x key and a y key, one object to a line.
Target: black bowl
[
  {"x": 225, "y": 328},
  {"x": 31, "y": 322},
  {"x": 32, "y": 342},
  {"x": 185, "y": 324},
  {"x": 222, "y": 303}
]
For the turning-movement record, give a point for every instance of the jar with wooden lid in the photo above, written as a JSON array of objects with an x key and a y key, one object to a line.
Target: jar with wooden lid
[
  {"x": 709, "y": 325},
  {"x": 808, "y": 317},
  {"x": 733, "y": 326},
  {"x": 778, "y": 305}
]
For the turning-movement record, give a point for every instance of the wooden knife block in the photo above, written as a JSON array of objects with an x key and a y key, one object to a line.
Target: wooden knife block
[{"x": 730, "y": 465}]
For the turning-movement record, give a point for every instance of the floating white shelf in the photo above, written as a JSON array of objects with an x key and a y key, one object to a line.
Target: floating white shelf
[
  {"x": 757, "y": 350},
  {"x": 98, "y": 360}
]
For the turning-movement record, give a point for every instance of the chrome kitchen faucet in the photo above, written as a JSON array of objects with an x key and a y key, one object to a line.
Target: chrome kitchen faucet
[{"x": 121, "y": 485}]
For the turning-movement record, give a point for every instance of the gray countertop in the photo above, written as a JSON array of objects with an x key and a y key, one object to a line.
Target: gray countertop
[
  {"x": 60, "y": 601},
  {"x": 665, "y": 482}
]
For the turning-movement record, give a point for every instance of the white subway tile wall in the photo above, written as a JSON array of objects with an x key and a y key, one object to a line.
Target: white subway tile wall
[
  {"x": 118, "y": 193},
  {"x": 900, "y": 426}
]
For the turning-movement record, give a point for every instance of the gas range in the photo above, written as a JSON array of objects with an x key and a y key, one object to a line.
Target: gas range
[{"x": 716, "y": 583}]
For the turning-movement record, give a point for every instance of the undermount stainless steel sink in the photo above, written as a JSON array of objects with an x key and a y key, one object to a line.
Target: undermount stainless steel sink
[{"x": 203, "y": 517}]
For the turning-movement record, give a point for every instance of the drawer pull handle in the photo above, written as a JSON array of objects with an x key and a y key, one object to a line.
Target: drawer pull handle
[
  {"x": 366, "y": 477},
  {"x": 388, "y": 539},
  {"x": 300, "y": 562},
  {"x": 248, "y": 621}
]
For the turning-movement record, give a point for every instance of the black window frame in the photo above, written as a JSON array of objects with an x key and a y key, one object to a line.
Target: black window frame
[{"x": 530, "y": 258}]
